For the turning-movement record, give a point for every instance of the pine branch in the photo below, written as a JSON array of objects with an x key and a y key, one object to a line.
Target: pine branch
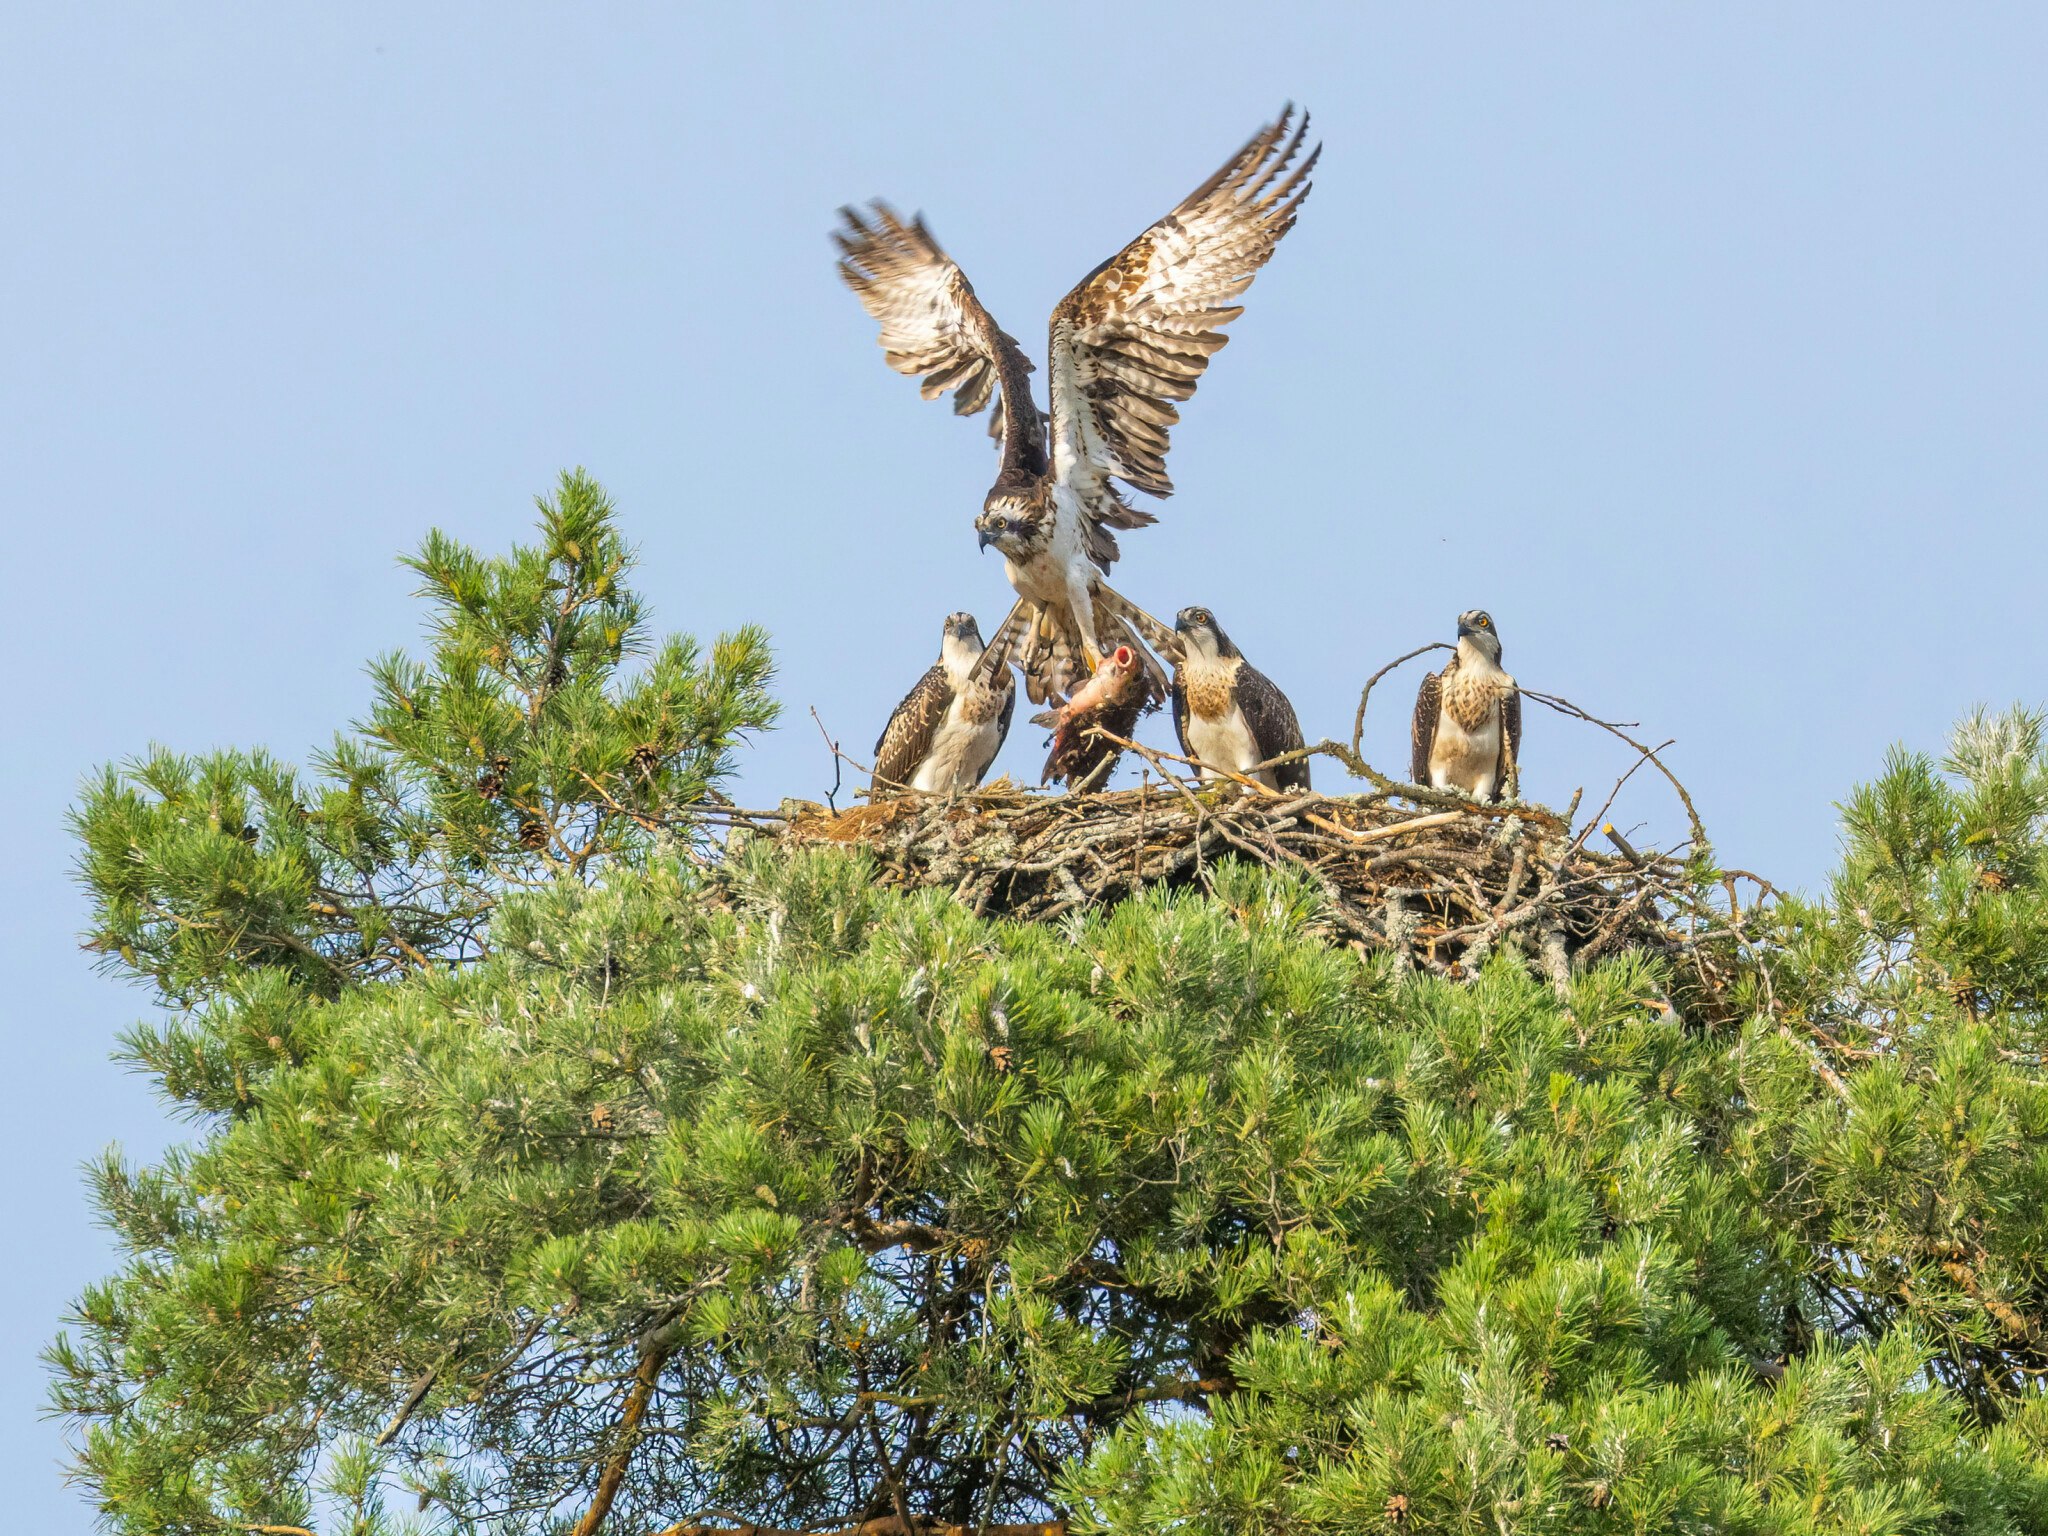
[{"x": 645, "y": 1377}]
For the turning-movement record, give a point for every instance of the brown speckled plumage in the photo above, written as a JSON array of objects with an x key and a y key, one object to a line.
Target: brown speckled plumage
[
  {"x": 919, "y": 725},
  {"x": 1469, "y": 699},
  {"x": 1220, "y": 697},
  {"x": 1130, "y": 340}
]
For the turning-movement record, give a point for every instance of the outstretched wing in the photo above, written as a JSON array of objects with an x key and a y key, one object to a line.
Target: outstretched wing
[
  {"x": 934, "y": 326},
  {"x": 1273, "y": 724},
  {"x": 1429, "y": 699},
  {"x": 1510, "y": 742},
  {"x": 1137, "y": 332},
  {"x": 908, "y": 736}
]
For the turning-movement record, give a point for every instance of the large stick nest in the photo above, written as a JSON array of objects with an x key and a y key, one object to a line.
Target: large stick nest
[{"x": 1431, "y": 878}]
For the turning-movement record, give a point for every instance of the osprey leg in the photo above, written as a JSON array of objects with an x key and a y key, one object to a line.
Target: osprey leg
[{"x": 1081, "y": 604}]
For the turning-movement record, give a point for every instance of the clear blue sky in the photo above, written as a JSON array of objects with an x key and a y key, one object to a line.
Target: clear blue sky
[{"x": 1703, "y": 345}]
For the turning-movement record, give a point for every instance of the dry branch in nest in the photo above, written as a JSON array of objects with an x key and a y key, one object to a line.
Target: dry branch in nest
[{"x": 1435, "y": 879}]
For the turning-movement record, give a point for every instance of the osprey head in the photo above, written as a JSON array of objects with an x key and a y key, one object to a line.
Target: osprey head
[
  {"x": 1476, "y": 625},
  {"x": 1007, "y": 522},
  {"x": 960, "y": 644},
  {"x": 1201, "y": 634}
]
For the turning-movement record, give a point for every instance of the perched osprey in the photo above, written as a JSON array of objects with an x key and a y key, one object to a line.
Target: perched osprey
[
  {"x": 1226, "y": 711},
  {"x": 1468, "y": 717},
  {"x": 1127, "y": 343},
  {"x": 948, "y": 728},
  {"x": 1118, "y": 692}
]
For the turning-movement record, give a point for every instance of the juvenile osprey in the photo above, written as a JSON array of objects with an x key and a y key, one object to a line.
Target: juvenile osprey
[
  {"x": 948, "y": 728},
  {"x": 1115, "y": 695},
  {"x": 1226, "y": 711},
  {"x": 1127, "y": 343},
  {"x": 1468, "y": 717}
]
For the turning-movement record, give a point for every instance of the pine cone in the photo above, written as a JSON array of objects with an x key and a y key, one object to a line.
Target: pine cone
[
  {"x": 645, "y": 761},
  {"x": 533, "y": 834},
  {"x": 1397, "y": 1508},
  {"x": 1557, "y": 1442},
  {"x": 491, "y": 782}
]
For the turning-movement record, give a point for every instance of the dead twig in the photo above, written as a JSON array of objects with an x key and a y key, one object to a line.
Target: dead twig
[
  {"x": 413, "y": 1398},
  {"x": 1566, "y": 707},
  {"x": 838, "y": 758},
  {"x": 1358, "y": 721},
  {"x": 1599, "y": 816}
]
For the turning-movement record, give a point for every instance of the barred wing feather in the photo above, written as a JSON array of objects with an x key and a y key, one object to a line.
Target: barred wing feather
[
  {"x": 934, "y": 328},
  {"x": 1134, "y": 337}
]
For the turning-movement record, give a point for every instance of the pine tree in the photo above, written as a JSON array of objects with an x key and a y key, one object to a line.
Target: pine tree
[
  {"x": 589, "y": 1178},
  {"x": 518, "y": 754},
  {"x": 1919, "y": 1183}
]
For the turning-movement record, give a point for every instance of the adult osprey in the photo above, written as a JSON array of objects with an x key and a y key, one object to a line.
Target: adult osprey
[
  {"x": 1227, "y": 712},
  {"x": 948, "y": 728},
  {"x": 1127, "y": 343},
  {"x": 1468, "y": 717}
]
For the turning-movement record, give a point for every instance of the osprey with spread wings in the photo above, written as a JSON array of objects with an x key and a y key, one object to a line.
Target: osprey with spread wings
[{"x": 1127, "y": 343}]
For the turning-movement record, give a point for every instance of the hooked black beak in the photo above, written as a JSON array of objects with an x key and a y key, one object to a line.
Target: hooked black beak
[{"x": 983, "y": 538}]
